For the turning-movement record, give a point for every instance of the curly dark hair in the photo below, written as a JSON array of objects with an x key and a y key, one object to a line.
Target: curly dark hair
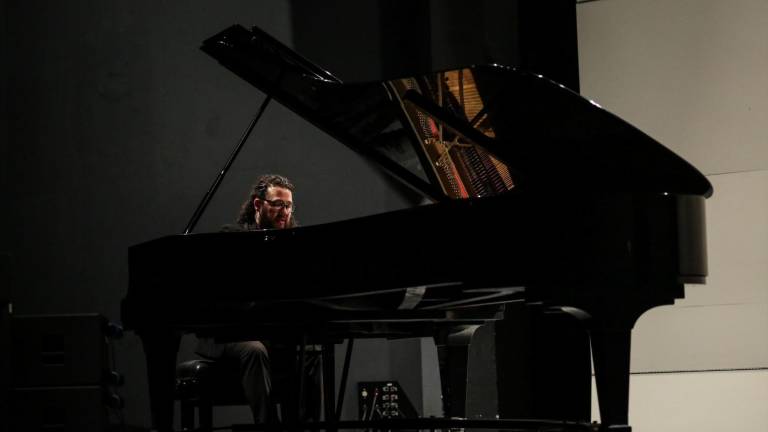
[{"x": 259, "y": 190}]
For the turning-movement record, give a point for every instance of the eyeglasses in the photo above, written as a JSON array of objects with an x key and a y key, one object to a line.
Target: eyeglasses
[{"x": 287, "y": 205}]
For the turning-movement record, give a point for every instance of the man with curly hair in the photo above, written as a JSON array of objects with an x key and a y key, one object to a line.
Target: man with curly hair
[{"x": 269, "y": 206}]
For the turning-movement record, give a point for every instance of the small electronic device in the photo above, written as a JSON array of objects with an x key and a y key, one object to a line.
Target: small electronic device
[{"x": 383, "y": 400}]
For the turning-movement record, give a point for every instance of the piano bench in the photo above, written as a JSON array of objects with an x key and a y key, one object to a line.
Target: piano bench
[{"x": 203, "y": 384}]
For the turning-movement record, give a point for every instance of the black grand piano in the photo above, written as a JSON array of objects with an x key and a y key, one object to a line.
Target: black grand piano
[{"x": 538, "y": 196}]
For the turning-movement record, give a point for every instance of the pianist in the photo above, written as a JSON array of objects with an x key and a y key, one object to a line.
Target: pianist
[{"x": 269, "y": 206}]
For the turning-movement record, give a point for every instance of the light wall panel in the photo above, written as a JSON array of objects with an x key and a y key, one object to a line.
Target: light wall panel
[
  {"x": 691, "y": 73},
  {"x": 697, "y": 402},
  {"x": 723, "y": 324}
]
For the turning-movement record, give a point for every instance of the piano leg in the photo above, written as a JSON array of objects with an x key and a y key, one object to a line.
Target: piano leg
[
  {"x": 453, "y": 355},
  {"x": 329, "y": 382},
  {"x": 610, "y": 350},
  {"x": 160, "y": 349},
  {"x": 296, "y": 411}
]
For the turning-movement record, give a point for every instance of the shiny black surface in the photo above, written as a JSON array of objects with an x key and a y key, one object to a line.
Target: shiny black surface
[
  {"x": 562, "y": 249},
  {"x": 596, "y": 218},
  {"x": 551, "y": 137}
]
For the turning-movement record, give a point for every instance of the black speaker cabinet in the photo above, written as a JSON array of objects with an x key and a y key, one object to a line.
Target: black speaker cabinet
[
  {"x": 58, "y": 366},
  {"x": 5, "y": 363},
  {"x": 58, "y": 350},
  {"x": 60, "y": 409}
]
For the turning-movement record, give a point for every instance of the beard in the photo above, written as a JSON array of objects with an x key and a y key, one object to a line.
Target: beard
[{"x": 265, "y": 222}]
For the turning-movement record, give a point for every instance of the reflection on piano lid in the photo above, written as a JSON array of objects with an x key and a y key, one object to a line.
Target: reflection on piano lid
[{"x": 472, "y": 132}]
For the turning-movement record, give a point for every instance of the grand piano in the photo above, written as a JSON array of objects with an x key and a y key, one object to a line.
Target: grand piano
[{"x": 537, "y": 196}]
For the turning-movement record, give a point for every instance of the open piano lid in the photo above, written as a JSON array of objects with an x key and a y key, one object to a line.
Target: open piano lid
[{"x": 471, "y": 132}]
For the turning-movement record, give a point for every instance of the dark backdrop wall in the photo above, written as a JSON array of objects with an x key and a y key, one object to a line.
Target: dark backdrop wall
[
  {"x": 117, "y": 124},
  {"x": 114, "y": 124}
]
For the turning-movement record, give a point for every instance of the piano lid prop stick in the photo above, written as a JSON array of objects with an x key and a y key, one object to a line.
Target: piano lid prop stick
[{"x": 212, "y": 190}]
